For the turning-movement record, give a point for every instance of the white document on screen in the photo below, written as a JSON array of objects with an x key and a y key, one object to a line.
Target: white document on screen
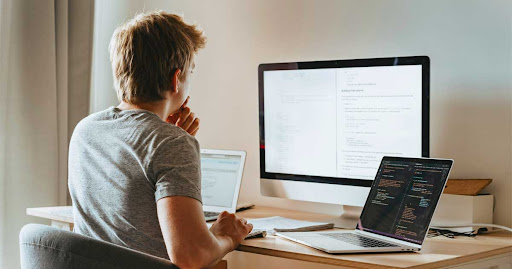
[
  {"x": 339, "y": 122},
  {"x": 219, "y": 174}
]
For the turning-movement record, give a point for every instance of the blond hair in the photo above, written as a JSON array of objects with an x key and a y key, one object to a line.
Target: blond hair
[{"x": 146, "y": 51}]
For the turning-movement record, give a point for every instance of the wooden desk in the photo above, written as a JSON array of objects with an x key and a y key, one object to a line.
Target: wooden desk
[
  {"x": 59, "y": 216},
  {"x": 484, "y": 251}
]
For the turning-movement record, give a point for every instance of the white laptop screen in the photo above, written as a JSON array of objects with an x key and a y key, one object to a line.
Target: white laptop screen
[
  {"x": 403, "y": 197},
  {"x": 219, "y": 174}
]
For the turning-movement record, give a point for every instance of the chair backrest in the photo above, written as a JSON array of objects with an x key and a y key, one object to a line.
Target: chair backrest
[{"x": 43, "y": 246}]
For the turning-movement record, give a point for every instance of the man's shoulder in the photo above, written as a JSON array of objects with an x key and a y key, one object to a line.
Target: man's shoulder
[
  {"x": 142, "y": 124},
  {"x": 96, "y": 116},
  {"x": 167, "y": 133},
  {"x": 158, "y": 132}
]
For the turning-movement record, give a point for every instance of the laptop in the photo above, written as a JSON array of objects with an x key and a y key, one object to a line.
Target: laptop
[
  {"x": 221, "y": 177},
  {"x": 397, "y": 212}
]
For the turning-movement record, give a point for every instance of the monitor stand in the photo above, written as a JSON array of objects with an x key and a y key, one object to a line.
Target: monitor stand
[{"x": 348, "y": 218}]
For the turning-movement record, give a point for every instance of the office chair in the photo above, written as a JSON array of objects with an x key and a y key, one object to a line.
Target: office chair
[{"x": 43, "y": 246}]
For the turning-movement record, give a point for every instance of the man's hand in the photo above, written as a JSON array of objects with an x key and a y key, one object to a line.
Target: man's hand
[
  {"x": 185, "y": 119},
  {"x": 231, "y": 226}
]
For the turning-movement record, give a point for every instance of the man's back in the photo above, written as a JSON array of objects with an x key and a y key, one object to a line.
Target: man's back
[
  {"x": 120, "y": 164},
  {"x": 134, "y": 170}
]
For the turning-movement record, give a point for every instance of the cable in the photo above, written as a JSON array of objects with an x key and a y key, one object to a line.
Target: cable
[{"x": 472, "y": 225}]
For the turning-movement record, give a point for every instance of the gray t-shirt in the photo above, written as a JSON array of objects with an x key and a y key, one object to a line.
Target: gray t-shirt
[{"x": 120, "y": 163}]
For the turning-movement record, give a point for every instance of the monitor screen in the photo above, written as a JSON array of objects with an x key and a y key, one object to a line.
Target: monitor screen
[
  {"x": 219, "y": 175},
  {"x": 334, "y": 120},
  {"x": 403, "y": 197}
]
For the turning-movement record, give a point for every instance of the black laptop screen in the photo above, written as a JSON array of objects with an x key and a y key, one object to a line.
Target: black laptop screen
[{"x": 403, "y": 197}]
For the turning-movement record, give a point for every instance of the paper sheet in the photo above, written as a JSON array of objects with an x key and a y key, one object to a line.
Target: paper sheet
[{"x": 272, "y": 224}]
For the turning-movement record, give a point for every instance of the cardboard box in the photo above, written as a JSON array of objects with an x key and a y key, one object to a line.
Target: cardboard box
[{"x": 463, "y": 209}]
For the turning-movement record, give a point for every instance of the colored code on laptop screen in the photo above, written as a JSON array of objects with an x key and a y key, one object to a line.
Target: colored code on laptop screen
[{"x": 403, "y": 198}]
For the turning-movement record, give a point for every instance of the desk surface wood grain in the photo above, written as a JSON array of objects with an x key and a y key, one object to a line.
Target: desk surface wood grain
[{"x": 436, "y": 252}]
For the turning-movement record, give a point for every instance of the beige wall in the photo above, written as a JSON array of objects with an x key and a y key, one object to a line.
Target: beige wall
[{"x": 469, "y": 43}]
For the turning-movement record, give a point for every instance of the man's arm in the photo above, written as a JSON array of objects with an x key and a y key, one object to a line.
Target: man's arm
[{"x": 189, "y": 242}]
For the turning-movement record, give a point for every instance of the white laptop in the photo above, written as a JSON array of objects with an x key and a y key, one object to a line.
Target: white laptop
[
  {"x": 221, "y": 177},
  {"x": 397, "y": 213}
]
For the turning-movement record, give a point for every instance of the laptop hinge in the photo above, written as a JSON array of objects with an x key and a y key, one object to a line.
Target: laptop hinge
[{"x": 389, "y": 239}]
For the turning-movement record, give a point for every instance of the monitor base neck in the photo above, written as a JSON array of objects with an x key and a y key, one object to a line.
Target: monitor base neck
[{"x": 348, "y": 219}]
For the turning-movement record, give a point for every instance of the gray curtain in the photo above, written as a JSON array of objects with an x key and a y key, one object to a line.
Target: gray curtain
[{"x": 45, "y": 61}]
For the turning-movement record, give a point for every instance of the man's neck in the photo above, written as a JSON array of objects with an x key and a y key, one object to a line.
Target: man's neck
[{"x": 159, "y": 108}]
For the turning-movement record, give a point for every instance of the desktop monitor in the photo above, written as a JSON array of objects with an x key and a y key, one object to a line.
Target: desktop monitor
[{"x": 325, "y": 125}]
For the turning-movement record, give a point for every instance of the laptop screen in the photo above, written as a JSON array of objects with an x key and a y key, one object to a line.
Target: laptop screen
[
  {"x": 403, "y": 197},
  {"x": 219, "y": 175}
]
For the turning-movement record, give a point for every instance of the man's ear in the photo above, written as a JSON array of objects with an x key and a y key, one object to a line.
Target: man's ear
[{"x": 175, "y": 81}]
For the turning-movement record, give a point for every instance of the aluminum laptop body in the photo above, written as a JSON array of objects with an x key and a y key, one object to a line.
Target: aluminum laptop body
[
  {"x": 397, "y": 212},
  {"x": 221, "y": 177}
]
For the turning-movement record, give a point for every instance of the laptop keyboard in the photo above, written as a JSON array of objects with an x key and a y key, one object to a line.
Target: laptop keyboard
[
  {"x": 210, "y": 214},
  {"x": 359, "y": 240}
]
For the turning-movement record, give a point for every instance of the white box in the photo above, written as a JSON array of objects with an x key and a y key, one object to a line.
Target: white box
[{"x": 464, "y": 209}]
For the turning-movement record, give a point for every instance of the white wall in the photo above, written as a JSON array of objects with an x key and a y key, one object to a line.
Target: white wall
[{"x": 469, "y": 43}]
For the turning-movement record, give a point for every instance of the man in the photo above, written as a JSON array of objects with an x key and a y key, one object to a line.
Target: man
[{"x": 134, "y": 169}]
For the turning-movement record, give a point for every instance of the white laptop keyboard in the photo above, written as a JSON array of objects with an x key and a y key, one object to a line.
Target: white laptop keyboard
[
  {"x": 209, "y": 216},
  {"x": 359, "y": 240}
]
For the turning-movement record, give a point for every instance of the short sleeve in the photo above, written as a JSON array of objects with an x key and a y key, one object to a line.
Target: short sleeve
[{"x": 176, "y": 168}]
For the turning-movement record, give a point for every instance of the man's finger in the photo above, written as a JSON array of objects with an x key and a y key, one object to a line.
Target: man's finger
[
  {"x": 185, "y": 103},
  {"x": 193, "y": 133},
  {"x": 249, "y": 227},
  {"x": 223, "y": 214},
  {"x": 194, "y": 125},
  {"x": 183, "y": 116},
  {"x": 188, "y": 122},
  {"x": 173, "y": 118}
]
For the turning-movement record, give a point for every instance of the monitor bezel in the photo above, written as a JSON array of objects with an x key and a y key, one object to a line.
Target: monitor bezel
[{"x": 424, "y": 61}]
